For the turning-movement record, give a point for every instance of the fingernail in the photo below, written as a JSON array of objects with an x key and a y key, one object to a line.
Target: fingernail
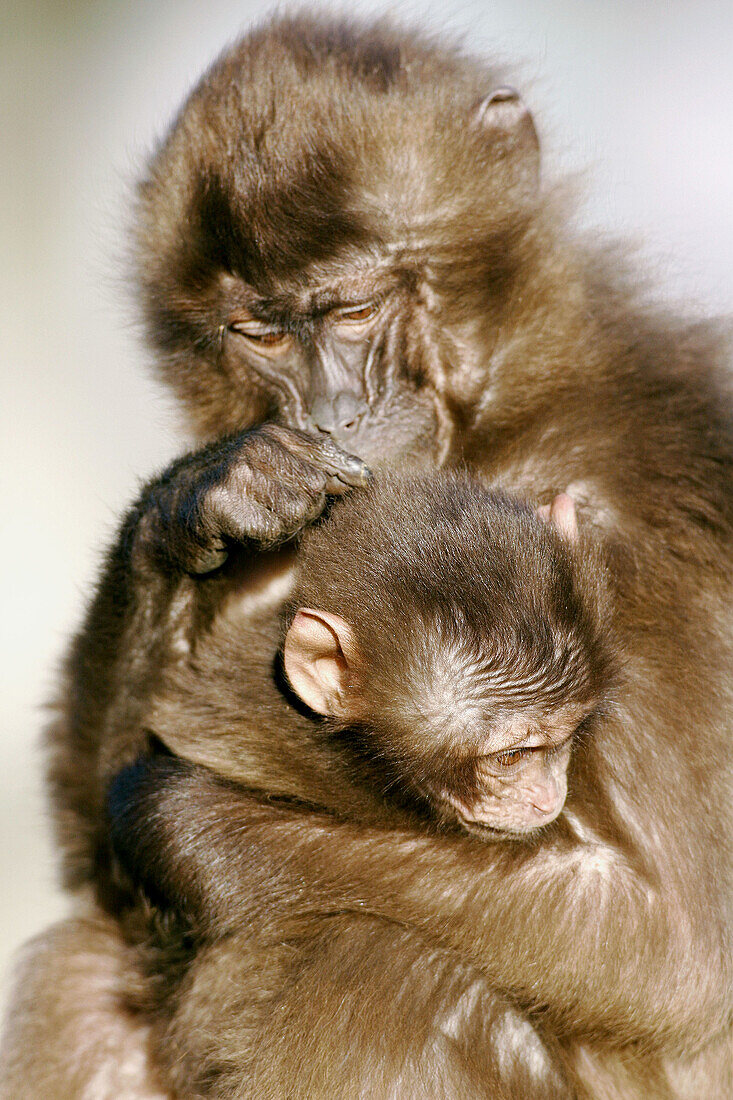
[{"x": 356, "y": 473}]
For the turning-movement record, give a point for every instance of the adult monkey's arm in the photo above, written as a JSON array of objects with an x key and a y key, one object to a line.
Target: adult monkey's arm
[
  {"x": 616, "y": 937},
  {"x": 256, "y": 488}
]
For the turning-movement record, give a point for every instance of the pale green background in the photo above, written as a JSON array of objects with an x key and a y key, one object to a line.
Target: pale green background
[{"x": 640, "y": 91}]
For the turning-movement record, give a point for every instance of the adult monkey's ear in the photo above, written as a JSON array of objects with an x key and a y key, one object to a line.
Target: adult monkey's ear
[
  {"x": 318, "y": 653},
  {"x": 505, "y": 119}
]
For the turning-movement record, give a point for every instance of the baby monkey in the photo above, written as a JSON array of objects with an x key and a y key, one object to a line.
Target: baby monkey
[
  {"x": 444, "y": 629},
  {"x": 449, "y": 643}
]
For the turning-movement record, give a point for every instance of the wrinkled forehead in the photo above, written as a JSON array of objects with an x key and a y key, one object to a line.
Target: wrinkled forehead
[
  {"x": 483, "y": 728},
  {"x": 460, "y": 695}
]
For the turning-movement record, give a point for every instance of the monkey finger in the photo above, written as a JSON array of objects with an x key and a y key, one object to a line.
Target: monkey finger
[
  {"x": 295, "y": 489},
  {"x": 242, "y": 519},
  {"x": 342, "y": 467},
  {"x": 352, "y": 473},
  {"x": 268, "y": 513},
  {"x": 288, "y": 487},
  {"x": 298, "y": 505}
]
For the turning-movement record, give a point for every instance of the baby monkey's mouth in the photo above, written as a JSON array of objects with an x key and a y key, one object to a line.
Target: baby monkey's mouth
[
  {"x": 452, "y": 817},
  {"x": 490, "y": 833},
  {"x": 479, "y": 821}
]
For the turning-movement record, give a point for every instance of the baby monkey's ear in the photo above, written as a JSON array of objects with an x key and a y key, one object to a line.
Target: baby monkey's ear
[
  {"x": 562, "y": 515},
  {"x": 318, "y": 653}
]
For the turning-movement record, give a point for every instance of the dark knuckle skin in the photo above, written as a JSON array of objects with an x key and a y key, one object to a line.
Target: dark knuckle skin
[
  {"x": 297, "y": 506},
  {"x": 295, "y": 486},
  {"x": 263, "y": 484}
]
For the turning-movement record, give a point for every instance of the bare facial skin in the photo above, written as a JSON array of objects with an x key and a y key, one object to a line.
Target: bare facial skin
[
  {"x": 519, "y": 788},
  {"x": 348, "y": 258}
]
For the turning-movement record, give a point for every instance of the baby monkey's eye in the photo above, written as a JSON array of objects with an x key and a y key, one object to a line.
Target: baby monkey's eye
[{"x": 511, "y": 757}]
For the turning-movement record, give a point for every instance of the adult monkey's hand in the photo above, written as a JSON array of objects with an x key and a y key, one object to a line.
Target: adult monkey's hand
[
  {"x": 258, "y": 487},
  {"x": 262, "y": 485}
]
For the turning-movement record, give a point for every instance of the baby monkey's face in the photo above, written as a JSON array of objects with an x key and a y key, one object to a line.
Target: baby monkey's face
[
  {"x": 471, "y": 681},
  {"x": 503, "y": 774},
  {"x": 520, "y": 782}
]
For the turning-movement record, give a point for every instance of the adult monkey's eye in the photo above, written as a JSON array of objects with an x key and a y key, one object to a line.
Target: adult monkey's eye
[
  {"x": 265, "y": 340},
  {"x": 357, "y": 313},
  {"x": 354, "y": 319}
]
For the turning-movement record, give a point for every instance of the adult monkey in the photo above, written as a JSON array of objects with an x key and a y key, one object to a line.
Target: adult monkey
[{"x": 347, "y": 225}]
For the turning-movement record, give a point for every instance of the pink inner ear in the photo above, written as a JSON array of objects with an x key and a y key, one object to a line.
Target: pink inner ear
[
  {"x": 563, "y": 516},
  {"x": 316, "y": 656}
]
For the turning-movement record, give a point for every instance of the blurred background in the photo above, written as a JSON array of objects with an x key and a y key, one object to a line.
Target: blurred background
[{"x": 638, "y": 94}]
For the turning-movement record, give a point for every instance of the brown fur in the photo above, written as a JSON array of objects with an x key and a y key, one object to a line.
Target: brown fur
[
  {"x": 501, "y": 343},
  {"x": 456, "y": 570}
]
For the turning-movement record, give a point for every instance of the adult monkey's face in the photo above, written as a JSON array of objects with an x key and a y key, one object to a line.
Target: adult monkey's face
[{"x": 328, "y": 242}]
